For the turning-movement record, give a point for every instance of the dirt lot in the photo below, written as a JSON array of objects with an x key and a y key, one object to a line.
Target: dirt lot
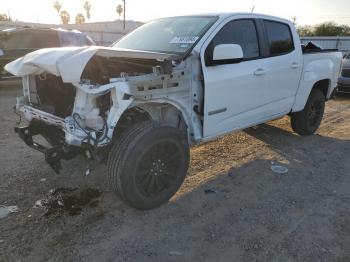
[{"x": 232, "y": 207}]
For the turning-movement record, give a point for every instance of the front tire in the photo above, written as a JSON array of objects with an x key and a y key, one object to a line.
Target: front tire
[
  {"x": 148, "y": 164},
  {"x": 306, "y": 122}
]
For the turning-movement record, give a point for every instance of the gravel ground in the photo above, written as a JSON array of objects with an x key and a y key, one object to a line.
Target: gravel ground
[{"x": 232, "y": 207}]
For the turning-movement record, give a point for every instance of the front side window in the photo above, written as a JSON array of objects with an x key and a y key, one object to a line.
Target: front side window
[
  {"x": 279, "y": 38},
  {"x": 240, "y": 32}
]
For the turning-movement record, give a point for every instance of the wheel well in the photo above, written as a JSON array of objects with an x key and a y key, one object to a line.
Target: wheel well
[
  {"x": 130, "y": 117},
  {"x": 163, "y": 113},
  {"x": 323, "y": 86}
]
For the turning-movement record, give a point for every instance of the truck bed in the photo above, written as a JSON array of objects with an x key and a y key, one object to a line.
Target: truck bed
[{"x": 311, "y": 48}]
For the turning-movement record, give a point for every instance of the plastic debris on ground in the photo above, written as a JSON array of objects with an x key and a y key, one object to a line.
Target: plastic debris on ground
[
  {"x": 6, "y": 210},
  {"x": 279, "y": 169}
]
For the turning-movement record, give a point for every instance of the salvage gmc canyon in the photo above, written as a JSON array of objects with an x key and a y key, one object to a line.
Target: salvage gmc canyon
[{"x": 174, "y": 82}]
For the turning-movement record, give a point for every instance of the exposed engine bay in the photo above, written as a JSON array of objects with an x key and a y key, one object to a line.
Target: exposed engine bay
[{"x": 83, "y": 117}]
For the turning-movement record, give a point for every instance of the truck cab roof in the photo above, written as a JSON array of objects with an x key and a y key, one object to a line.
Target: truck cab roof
[{"x": 225, "y": 15}]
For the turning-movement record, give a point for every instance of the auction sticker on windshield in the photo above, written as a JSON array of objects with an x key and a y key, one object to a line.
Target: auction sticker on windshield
[{"x": 184, "y": 40}]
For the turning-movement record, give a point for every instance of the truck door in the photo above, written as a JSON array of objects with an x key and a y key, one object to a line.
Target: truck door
[
  {"x": 284, "y": 67},
  {"x": 234, "y": 92}
]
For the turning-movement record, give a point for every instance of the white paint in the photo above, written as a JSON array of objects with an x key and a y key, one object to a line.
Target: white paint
[
  {"x": 256, "y": 91},
  {"x": 236, "y": 96},
  {"x": 69, "y": 62},
  {"x": 227, "y": 51}
]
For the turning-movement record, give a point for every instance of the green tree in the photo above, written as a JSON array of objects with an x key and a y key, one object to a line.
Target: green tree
[
  {"x": 324, "y": 29},
  {"x": 87, "y": 7},
  {"x": 119, "y": 10},
  {"x": 331, "y": 29},
  {"x": 306, "y": 30},
  {"x": 65, "y": 17},
  {"x": 57, "y": 6},
  {"x": 346, "y": 30},
  {"x": 80, "y": 19}
]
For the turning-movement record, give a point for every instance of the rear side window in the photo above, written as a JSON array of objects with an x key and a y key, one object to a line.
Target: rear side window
[
  {"x": 279, "y": 37},
  {"x": 241, "y": 32}
]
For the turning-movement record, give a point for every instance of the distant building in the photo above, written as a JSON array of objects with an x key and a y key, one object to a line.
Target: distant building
[{"x": 103, "y": 33}]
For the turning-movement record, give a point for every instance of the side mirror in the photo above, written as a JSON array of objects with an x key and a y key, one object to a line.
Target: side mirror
[
  {"x": 1, "y": 52},
  {"x": 227, "y": 54}
]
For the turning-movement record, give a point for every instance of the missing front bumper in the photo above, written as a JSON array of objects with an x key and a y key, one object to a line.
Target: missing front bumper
[{"x": 53, "y": 155}]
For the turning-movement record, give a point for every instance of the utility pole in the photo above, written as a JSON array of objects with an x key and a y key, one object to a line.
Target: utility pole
[
  {"x": 124, "y": 13},
  {"x": 252, "y": 9}
]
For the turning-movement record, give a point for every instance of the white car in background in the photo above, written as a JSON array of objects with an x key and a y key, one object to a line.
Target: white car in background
[{"x": 171, "y": 83}]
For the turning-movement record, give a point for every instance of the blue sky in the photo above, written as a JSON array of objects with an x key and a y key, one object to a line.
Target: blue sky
[{"x": 306, "y": 11}]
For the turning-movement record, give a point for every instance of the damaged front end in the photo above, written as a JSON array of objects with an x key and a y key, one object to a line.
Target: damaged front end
[
  {"x": 76, "y": 109},
  {"x": 71, "y": 120}
]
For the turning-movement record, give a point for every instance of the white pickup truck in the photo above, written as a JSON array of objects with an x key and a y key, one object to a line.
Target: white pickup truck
[{"x": 171, "y": 83}]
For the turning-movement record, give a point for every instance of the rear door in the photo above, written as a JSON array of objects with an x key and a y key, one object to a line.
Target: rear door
[
  {"x": 234, "y": 92},
  {"x": 284, "y": 67}
]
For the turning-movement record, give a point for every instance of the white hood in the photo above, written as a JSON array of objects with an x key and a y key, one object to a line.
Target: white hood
[{"x": 69, "y": 62}]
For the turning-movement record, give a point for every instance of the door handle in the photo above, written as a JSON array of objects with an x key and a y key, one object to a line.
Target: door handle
[
  {"x": 294, "y": 65},
  {"x": 260, "y": 72}
]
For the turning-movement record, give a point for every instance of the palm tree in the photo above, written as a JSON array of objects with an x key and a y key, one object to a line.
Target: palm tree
[
  {"x": 119, "y": 10},
  {"x": 57, "y": 6},
  {"x": 65, "y": 17},
  {"x": 80, "y": 19},
  {"x": 87, "y": 7}
]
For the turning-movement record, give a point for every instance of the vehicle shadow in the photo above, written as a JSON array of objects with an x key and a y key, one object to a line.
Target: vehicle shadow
[
  {"x": 232, "y": 206},
  {"x": 246, "y": 212},
  {"x": 342, "y": 96}
]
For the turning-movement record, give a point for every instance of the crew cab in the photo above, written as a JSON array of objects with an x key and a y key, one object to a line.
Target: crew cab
[{"x": 172, "y": 83}]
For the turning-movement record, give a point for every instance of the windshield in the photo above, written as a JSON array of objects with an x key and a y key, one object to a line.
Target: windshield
[{"x": 175, "y": 35}]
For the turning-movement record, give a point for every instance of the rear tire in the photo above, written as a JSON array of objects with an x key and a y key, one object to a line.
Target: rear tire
[
  {"x": 148, "y": 163},
  {"x": 306, "y": 122}
]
